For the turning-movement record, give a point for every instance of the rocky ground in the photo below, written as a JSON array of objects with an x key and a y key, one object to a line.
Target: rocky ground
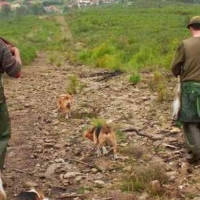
[{"x": 50, "y": 153}]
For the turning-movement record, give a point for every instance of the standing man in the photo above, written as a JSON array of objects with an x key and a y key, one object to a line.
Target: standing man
[
  {"x": 186, "y": 63},
  {"x": 10, "y": 63}
]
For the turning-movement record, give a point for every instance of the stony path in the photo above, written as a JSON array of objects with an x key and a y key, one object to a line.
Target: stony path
[{"x": 50, "y": 153}]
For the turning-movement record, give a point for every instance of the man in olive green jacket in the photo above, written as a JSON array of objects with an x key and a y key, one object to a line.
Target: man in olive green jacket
[
  {"x": 186, "y": 63},
  {"x": 10, "y": 63}
]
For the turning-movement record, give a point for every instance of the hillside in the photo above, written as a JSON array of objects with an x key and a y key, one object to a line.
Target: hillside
[{"x": 50, "y": 153}]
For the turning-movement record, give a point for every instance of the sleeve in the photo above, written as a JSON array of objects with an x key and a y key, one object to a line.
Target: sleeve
[
  {"x": 9, "y": 63},
  {"x": 178, "y": 60}
]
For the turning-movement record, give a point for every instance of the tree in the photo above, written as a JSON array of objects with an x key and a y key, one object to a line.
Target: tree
[
  {"x": 22, "y": 10},
  {"x": 37, "y": 9},
  {"x": 5, "y": 9}
]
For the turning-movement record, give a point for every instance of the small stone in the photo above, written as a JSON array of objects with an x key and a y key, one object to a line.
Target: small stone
[
  {"x": 99, "y": 183},
  {"x": 144, "y": 196},
  {"x": 196, "y": 198},
  {"x": 155, "y": 185},
  {"x": 71, "y": 175},
  {"x": 94, "y": 170},
  {"x": 59, "y": 160},
  {"x": 30, "y": 184},
  {"x": 184, "y": 168},
  {"x": 175, "y": 130},
  {"x": 78, "y": 178}
]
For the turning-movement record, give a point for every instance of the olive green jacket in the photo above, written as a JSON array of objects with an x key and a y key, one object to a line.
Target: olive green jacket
[
  {"x": 8, "y": 64},
  {"x": 186, "y": 62}
]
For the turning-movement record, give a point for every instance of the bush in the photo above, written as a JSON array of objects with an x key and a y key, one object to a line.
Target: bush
[
  {"x": 98, "y": 122},
  {"x": 142, "y": 176},
  {"x": 73, "y": 84},
  {"x": 31, "y": 34},
  {"x": 135, "y": 78}
]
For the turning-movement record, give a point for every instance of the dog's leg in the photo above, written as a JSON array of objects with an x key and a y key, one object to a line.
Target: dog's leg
[
  {"x": 114, "y": 146},
  {"x": 105, "y": 151},
  {"x": 69, "y": 114},
  {"x": 66, "y": 116},
  {"x": 96, "y": 144},
  {"x": 115, "y": 154},
  {"x": 98, "y": 151}
]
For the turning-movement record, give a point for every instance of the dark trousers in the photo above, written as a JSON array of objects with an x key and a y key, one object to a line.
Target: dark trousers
[
  {"x": 5, "y": 132},
  {"x": 192, "y": 137}
]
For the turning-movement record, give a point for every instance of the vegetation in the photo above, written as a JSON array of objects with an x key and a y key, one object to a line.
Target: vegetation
[
  {"x": 31, "y": 34},
  {"x": 135, "y": 78},
  {"x": 142, "y": 177},
  {"x": 98, "y": 122},
  {"x": 158, "y": 84},
  {"x": 74, "y": 86},
  {"x": 142, "y": 35}
]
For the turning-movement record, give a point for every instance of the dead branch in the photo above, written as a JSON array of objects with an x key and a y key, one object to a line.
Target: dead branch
[
  {"x": 116, "y": 72},
  {"x": 132, "y": 129},
  {"x": 170, "y": 146},
  {"x": 21, "y": 171},
  {"x": 106, "y": 74}
]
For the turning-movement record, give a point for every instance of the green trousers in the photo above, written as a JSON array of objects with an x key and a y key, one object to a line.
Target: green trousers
[
  {"x": 190, "y": 102},
  {"x": 5, "y": 132},
  {"x": 192, "y": 137}
]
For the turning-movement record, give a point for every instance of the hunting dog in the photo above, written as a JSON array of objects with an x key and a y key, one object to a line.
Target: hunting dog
[
  {"x": 64, "y": 103},
  {"x": 102, "y": 136},
  {"x": 32, "y": 194}
]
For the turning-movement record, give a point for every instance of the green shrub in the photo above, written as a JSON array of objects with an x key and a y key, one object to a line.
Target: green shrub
[
  {"x": 98, "y": 122},
  {"x": 131, "y": 37},
  {"x": 135, "y": 78},
  {"x": 31, "y": 34},
  {"x": 120, "y": 136},
  {"x": 158, "y": 83},
  {"x": 142, "y": 176},
  {"x": 73, "y": 84},
  {"x": 108, "y": 62}
]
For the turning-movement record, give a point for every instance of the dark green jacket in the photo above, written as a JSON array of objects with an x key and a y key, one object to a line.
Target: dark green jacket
[
  {"x": 8, "y": 64},
  {"x": 186, "y": 62}
]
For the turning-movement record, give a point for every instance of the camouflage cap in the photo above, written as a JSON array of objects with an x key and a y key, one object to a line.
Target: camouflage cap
[{"x": 194, "y": 20}]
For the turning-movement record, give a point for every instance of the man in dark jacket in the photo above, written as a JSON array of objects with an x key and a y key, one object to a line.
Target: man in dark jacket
[
  {"x": 186, "y": 63},
  {"x": 10, "y": 63}
]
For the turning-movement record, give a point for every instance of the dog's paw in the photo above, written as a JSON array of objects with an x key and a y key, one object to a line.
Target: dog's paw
[
  {"x": 105, "y": 151},
  {"x": 115, "y": 157},
  {"x": 99, "y": 153}
]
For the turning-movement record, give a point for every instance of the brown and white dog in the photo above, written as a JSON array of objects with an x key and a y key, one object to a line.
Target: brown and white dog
[
  {"x": 2, "y": 191},
  {"x": 102, "y": 136},
  {"x": 64, "y": 103},
  {"x": 32, "y": 194}
]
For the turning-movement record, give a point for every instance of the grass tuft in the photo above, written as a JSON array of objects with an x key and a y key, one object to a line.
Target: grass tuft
[{"x": 142, "y": 176}]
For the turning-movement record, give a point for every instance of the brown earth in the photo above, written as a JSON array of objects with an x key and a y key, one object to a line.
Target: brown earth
[{"x": 49, "y": 152}]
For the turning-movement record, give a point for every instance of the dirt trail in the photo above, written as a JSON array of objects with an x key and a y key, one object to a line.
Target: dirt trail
[
  {"x": 50, "y": 153},
  {"x": 43, "y": 145}
]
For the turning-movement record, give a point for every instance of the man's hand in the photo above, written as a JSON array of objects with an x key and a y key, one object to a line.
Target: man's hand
[{"x": 15, "y": 52}]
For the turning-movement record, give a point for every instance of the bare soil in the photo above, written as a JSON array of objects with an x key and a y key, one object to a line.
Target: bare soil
[{"x": 44, "y": 147}]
